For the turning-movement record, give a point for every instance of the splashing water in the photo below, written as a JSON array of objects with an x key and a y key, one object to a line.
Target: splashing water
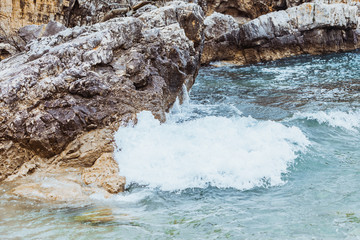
[
  {"x": 348, "y": 120},
  {"x": 264, "y": 151},
  {"x": 238, "y": 152}
]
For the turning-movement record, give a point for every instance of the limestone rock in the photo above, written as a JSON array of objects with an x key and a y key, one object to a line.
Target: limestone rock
[
  {"x": 6, "y": 50},
  {"x": 104, "y": 173},
  {"x": 311, "y": 28},
  {"x": 85, "y": 149},
  {"x": 220, "y": 38},
  {"x": 31, "y": 32},
  {"x": 52, "y": 190},
  {"x": 64, "y": 96},
  {"x": 60, "y": 185},
  {"x": 218, "y": 24},
  {"x": 12, "y": 156}
]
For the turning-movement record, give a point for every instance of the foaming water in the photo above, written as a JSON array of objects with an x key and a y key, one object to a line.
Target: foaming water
[
  {"x": 349, "y": 120},
  {"x": 238, "y": 152},
  {"x": 264, "y": 151}
]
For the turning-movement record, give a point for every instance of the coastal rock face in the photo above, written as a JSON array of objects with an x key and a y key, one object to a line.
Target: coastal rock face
[
  {"x": 242, "y": 9},
  {"x": 16, "y": 14},
  {"x": 63, "y": 97},
  {"x": 310, "y": 28},
  {"x": 74, "y": 82},
  {"x": 220, "y": 44}
]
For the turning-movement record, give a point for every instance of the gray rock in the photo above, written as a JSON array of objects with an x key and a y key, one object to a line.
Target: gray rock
[
  {"x": 32, "y": 32},
  {"x": 305, "y": 17},
  {"x": 218, "y": 24},
  {"x": 308, "y": 28},
  {"x": 95, "y": 77}
]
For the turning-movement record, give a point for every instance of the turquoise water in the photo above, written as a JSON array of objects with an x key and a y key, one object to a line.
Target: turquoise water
[{"x": 265, "y": 151}]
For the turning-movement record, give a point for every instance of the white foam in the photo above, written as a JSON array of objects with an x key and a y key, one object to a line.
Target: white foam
[
  {"x": 349, "y": 120},
  {"x": 238, "y": 152}
]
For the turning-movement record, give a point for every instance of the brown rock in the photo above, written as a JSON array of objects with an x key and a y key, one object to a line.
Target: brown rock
[
  {"x": 63, "y": 97},
  {"x": 104, "y": 173},
  {"x": 54, "y": 184}
]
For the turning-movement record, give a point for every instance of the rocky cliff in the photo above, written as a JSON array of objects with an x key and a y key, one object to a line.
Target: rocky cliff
[
  {"x": 63, "y": 97},
  {"x": 310, "y": 28}
]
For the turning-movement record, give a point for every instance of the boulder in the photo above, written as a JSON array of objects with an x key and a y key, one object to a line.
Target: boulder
[
  {"x": 105, "y": 173},
  {"x": 220, "y": 38},
  {"x": 31, "y": 32}
]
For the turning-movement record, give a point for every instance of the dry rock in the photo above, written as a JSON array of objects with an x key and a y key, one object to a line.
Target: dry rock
[{"x": 311, "y": 28}]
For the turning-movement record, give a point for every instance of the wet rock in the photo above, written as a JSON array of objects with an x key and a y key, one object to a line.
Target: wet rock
[
  {"x": 56, "y": 191},
  {"x": 96, "y": 216},
  {"x": 55, "y": 184},
  {"x": 105, "y": 173}
]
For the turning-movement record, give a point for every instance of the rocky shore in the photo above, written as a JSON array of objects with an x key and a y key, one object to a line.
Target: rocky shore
[
  {"x": 310, "y": 28},
  {"x": 68, "y": 84}
]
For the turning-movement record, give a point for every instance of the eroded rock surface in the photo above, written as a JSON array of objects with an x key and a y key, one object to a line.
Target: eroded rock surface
[
  {"x": 63, "y": 97},
  {"x": 105, "y": 173},
  {"x": 311, "y": 28},
  {"x": 220, "y": 42}
]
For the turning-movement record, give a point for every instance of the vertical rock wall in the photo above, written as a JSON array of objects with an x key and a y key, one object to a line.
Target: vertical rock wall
[{"x": 19, "y": 13}]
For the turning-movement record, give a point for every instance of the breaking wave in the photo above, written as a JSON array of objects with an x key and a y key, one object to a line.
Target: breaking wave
[
  {"x": 348, "y": 120},
  {"x": 237, "y": 152}
]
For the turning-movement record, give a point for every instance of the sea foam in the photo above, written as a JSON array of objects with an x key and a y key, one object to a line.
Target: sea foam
[
  {"x": 237, "y": 152},
  {"x": 348, "y": 120}
]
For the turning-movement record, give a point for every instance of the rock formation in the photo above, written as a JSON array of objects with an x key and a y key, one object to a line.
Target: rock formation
[
  {"x": 64, "y": 96},
  {"x": 70, "y": 84},
  {"x": 310, "y": 28},
  {"x": 15, "y": 15}
]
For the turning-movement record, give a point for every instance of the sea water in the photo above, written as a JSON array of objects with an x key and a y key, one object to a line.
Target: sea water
[{"x": 264, "y": 151}]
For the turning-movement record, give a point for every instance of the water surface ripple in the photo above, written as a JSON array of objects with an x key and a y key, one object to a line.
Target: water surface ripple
[{"x": 265, "y": 151}]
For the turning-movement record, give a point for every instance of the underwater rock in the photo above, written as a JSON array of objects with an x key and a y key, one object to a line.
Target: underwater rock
[{"x": 97, "y": 216}]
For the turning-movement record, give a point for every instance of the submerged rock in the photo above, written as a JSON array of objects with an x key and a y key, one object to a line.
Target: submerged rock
[{"x": 97, "y": 216}]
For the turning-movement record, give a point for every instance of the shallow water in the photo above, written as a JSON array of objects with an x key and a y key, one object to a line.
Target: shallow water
[{"x": 265, "y": 151}]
